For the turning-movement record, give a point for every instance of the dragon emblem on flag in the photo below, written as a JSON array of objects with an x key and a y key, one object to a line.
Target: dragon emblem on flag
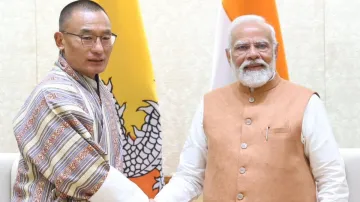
[{"x": 142, "y": 154}]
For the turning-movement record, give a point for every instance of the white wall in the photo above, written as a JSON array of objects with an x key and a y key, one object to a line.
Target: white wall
[
  {"x": 27, "y": 52},
  {"x": 321, "y": 41}
]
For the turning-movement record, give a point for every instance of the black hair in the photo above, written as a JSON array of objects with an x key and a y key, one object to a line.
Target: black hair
[{"x": 84, "y": 5}]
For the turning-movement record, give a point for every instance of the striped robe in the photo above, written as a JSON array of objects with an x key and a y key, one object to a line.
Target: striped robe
[{"x": 67, "y": 136}]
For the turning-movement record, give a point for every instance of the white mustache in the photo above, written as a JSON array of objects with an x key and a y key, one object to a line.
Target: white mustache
[{"x": 246, "y": 63}]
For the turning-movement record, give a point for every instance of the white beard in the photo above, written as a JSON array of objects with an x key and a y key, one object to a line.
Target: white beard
[{"x": 254, "y": 78}]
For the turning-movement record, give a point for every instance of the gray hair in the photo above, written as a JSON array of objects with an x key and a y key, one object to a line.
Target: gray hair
[{"x": 250, "y": 18}]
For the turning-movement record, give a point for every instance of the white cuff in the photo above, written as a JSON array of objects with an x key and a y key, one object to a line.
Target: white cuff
[{"x": 118, "y": 188}]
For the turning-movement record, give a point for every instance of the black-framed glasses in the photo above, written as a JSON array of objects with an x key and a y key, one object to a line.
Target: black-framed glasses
[{"x": 89, "y": 40}]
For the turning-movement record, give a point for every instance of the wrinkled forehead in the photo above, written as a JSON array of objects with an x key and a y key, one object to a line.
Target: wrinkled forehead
[
  {"x": 91, "y": 22},
  {"x": 251, "y": 33}
]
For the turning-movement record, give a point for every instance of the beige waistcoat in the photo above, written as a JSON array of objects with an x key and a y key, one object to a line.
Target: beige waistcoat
[{"x": 255, "y": 153}]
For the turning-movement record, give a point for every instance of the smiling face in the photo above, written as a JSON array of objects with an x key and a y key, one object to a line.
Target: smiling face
[
  {"x": 88, "y": 61},
  {"x": 252, "y": 53}
]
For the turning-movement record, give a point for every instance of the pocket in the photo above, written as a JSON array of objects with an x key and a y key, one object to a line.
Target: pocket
[
  {"x": 276, "y": 132},
  {"x": 279, "y": 130}
]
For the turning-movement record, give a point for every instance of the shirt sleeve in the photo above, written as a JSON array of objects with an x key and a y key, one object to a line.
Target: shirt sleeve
[
  {"x": 187, "y": 182},
  {"x": 118, "y": 188},
  {"x": 323, "y": 153}
]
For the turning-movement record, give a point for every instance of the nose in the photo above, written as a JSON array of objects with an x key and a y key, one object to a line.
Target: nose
[
  {"x": 252, "y": 54},
  {"x": 98, "y": 47}
]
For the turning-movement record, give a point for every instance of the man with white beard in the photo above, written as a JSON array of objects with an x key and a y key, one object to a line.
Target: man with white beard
[{"x": 260, "y": 139}]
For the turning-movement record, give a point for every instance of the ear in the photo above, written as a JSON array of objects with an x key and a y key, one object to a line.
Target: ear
[
  {"x": 228, "y": 55},
  {"x": 276, "y": 49},
  {"x": 59, "y": 40}
]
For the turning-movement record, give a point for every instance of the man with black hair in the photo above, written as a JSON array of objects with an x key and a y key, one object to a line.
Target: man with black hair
[{"x": 68, "y": 132}]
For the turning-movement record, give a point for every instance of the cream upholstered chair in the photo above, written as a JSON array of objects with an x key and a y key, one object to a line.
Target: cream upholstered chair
[
  {"x": 352, "y": 164},
  {"x": 8, "y": 168}
]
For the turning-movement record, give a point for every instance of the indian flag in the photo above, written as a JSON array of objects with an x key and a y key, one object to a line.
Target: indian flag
[
  {"x": 130, "y": 77},
  {"x": 229, "y": 10}
]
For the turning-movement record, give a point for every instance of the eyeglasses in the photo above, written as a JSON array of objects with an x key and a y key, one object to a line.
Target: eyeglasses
[
  {"x": 244, "y": 48},
  {"x": 88, "y": 40}
]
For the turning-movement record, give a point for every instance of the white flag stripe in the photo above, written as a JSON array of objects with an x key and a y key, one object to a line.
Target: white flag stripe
[{"x": 221, "y": 72}]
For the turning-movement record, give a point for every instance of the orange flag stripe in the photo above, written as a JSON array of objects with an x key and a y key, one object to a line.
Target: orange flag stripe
[{"x": 268, "y": 10}]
